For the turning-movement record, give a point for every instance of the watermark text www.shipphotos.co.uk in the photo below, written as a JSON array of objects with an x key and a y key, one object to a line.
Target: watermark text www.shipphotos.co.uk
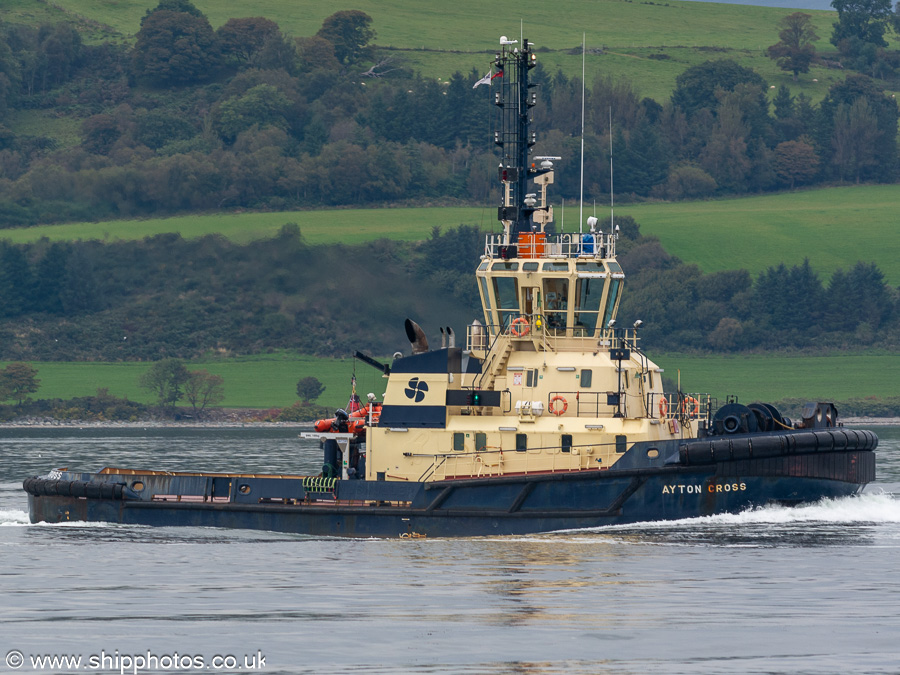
[{"x": 133, "y": 663}]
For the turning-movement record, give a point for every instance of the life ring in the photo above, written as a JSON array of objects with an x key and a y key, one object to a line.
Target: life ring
[
  {"x": 688, "y": 403},
  {"x": 663, "y": 407},
  {"x": 559, "y": 411},
  {"x": 520, "y": 332}
]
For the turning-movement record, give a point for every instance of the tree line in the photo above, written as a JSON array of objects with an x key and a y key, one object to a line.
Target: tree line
[
  {"x": 245, "y": 116},
  {"x": 166, "y": 297},
  {"x": 783, "y": 308}
]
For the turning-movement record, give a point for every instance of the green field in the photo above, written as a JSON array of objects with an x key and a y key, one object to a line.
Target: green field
[
  {"x": 267, "y": 381},
  {"x": 439, "y": 39},
  {"x": 466, "y": 26},
  {"x": 346, "y": 226},
  {"x": 774, "y": 377},
  {"x": 832, "y": 227},
  {"x": 650, "y": 77},
  {"x": 252, "y": 382}
]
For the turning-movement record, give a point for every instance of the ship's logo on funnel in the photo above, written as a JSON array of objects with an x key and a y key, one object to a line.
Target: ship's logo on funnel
[{"x": 416, "y": 390}]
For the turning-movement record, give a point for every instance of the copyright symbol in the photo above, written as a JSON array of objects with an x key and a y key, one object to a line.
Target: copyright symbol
[{"x": 15, "y": 659}]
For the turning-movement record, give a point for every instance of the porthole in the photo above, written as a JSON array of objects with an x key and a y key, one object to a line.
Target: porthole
[
  {"x": 244, "y": 489},
  {"x": 137, "y": 486},
  {"x": 652, "y": 453}
]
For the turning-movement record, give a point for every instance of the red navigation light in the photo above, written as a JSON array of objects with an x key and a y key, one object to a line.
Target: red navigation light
[{"x": 508, "y": 174}]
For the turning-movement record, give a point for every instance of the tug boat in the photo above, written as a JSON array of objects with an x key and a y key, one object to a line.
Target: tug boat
[{"x": 550, "y": 417}]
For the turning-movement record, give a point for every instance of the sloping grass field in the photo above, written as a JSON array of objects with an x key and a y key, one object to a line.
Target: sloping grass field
[
  {"x": 764, "y": 377},
  {"x": 346, "y": 226},
  {"x": 833, "y": 227},
  {"x": 439, "y": 39},
  {"x": 468, "y": 25}
]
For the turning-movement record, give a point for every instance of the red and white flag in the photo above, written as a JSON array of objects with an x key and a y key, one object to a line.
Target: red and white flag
[{"x": 487, "y": 78}]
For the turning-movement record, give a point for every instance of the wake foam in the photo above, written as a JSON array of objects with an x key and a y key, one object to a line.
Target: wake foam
[
  {"x": 18, "y": 518},
  {"x": 13, "y": 517},
  {"x": 866, "y": 508}
]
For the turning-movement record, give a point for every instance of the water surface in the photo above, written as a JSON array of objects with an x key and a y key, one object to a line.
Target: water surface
[{"x": 806, "y": 590}]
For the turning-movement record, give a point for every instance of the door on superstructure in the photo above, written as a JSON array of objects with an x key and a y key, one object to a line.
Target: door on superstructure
[
  {"x": 556, "y": 304},
  {"x": 531, "y": 300}
]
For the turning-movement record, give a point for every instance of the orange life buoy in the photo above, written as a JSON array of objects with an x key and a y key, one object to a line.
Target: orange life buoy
[
  {"x": 558, "y": 411},
  {"x": 690, "y": 406},
  {"x": 663, "y": 407},
  {"x": 525, "y": 327}
]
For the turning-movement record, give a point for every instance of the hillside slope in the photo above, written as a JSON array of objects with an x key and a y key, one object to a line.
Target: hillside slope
[{"x": 651, "y": 43}]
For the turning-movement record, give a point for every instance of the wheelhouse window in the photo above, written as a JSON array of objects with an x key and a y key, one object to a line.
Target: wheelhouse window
[
  {"x": 485, "y": 293},
  {"x": 588, "y": 295},
  {"x": 614, "y": 286},
  {"x": 506, "y": 290}
]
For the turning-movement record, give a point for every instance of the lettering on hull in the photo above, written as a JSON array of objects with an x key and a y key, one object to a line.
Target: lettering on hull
[{"x": 689, "y": 489}]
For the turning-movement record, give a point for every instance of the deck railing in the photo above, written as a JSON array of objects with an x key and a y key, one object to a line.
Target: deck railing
[
  {"x": 536, "y": 326},
  {"x": 590, "y": 246}
]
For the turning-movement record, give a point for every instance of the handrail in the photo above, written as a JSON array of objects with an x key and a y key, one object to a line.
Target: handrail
[
  {"x": 533, "y": 245},
  {"x": 536, "y": 326},
  {"x": 431, "y": 470},
  {"x": 680, "y": 406},
  {"x": 683, "y": 407}
]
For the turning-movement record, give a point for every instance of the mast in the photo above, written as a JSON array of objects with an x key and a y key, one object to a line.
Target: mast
[{"x": 515, "y": 100}]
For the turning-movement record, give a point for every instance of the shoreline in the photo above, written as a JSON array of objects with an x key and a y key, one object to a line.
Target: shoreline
[
  {"x": 153, "y": 424},
  {"x": 233, "y": 424}
]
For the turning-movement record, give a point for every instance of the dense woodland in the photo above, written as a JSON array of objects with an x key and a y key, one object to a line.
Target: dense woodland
[
  {"x": 246, "y": 116},
  {"x": 191, "y": 118},
  {"x": 170, "y": 297}
]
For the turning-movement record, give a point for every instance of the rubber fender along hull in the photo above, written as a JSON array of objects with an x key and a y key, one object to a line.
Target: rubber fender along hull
[
  {"x": 48, "y": 487},
  {"x": 756, "y": 446},
  {"x": 509, "y": 505}
]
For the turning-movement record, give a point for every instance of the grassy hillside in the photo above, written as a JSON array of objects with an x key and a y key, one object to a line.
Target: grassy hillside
[
  {"x": 438, "y": 40},
  {"x": 466, "y": 26},
  {"x": 834, "y": 228},
  {"x": 350, "y": 226},
  {"x": 271, "y": 380},
  {"x": 774, "y": 377}
]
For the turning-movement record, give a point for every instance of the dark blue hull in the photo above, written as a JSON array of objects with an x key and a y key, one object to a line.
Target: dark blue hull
[{"x": 464, "y": 507}]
